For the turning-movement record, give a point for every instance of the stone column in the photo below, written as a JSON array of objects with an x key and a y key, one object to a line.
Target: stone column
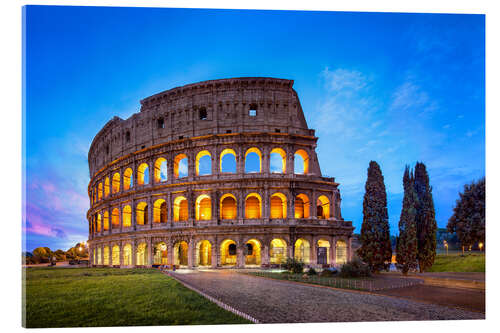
[
  {"x": 214, "y": 159},
  {"x": 191, "y": 252},
  {"x": 214, "y": 195},
  {"x": 191, "y": 165},
  {"x": 266, "y": 164},
  {"x": 150, "y": 212},
  {"x": 134, "y": 254},
  {"x": 151, "y": 172},
  {"x": 170, "y": 168},
  {"x": 240, "y": 205},
  {"x": 290, "y": 202},
  {"x": 133, "y": 216},
  {"x": 102, "y": 253},
  {"x": 170, "y": 210},
  {"x": 264, "y": 255},
  {"x": 265, "y": 204},
  {"x": 150, "y": 251},
  {"x": 240, "y": 255},
  {"x": 240, "y": 160},
  {"x": 290, "y": 160},
  {"x": 333, "y": 260},
  {"x": 349, "y": 249},
  {"x": 313, "y": 209},
  {"x": 170, "y": 252},
  {"x": 120, "y": 244}
]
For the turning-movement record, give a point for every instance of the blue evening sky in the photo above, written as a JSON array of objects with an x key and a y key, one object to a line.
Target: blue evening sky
[{"x": 394, "y": 88}]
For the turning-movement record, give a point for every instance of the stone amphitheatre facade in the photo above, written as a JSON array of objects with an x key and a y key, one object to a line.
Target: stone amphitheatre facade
[{"x": 219, "y": 173}]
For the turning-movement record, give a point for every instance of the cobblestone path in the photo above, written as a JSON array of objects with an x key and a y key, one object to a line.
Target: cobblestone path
[{"x": 275, "y": 301}]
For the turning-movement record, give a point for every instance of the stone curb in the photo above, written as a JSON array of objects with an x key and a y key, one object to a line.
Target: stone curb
[{"x": 214, "y": 300}]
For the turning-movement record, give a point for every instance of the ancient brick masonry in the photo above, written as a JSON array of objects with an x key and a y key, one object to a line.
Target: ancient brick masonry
[{"x": 149, "y": 207}]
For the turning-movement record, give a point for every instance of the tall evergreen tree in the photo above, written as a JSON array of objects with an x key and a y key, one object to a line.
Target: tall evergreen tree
[
  {"x": 426, "y": 221},
  {"x": 375, "y": 240},
  {"x": 406, "y": 249}
]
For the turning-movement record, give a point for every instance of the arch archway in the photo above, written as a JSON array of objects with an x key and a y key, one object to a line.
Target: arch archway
[
  {"x": 180, "y": 209},
  {"x": 301, "y": 162},
  {"x": 341, "y": 252},
  {"x": 203, "y": 208},
  {"x": 160, "y": 211},
  {"x": 141, "y": 213},
  {"x": 127, "y": 216},
  {"x": 160, "y": 170},
  {"x": 106, "y": 187},
  {"x": 181, "y": 253},
  {"x": 127, "y": 179},
  {"x": 99, "y": 256},
  {"x": 302, "y": 250},
  {"x": 253, "y": 206},
  {"x": 277, "y": 251},
  {"x": 203, "y": 163},
  {"x": 323, "y": 252},
  {"x": 253, "y": 252},
  {"x": 227, "y": 160},
  {"x": 143, "y": 174},
  {"x": 277, "y": 158},
  {"x": 99, "y": 222},
  {"x": 141, "y": 258},
  {"x": 323, "y": 207},
  {"x": 115, "y": 218},
  {"x": 181, "y": 166},
  {"x": 106, "y": 256},
  {"x": 228, "y": 253},
  {"x": 278, "y": 206},
  {"x": 115, "y": 183},
  {"x": 302, "y": 205},
  {"x": 253, "y": 160},
  {"x": 127, "y": 255},
  {"x": 105, "y": 221},
  {"x": 160, "y": 254},
  {"x": 204, "y": 253},
  {"x": 228, "y": 207},
  {"x": 99, "y": 191},
  {"x": 115, "y": 253}
]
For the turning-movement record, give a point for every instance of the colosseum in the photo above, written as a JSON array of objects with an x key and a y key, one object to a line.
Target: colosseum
[{"x": 215, "y": 174}]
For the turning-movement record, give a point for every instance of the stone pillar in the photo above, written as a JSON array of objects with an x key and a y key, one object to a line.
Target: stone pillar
[
  {"x": 214, "y": 195},
  {"x": 240, "y": 205},
  {"x": 170, "y": 210},
  {"x": 150, "y": 251},
  {"x": 313, "y": 209},
  {"x": 191, "y": 253},
  {"x": 266, "y": 164},
  {"x": 134, "y": 254},
  {"x": 170, "y": 168},
  {"x": 264, "y": 255},
  {"x": 265, "y": 204},
  {"x": 349, "y": 249},
  {"x": 240, "y": 255},
  {"x": 151, "y": 172},
  {"x": 333, "y": 260},
  {"x": 214, "y": 159},
  {"x": 191, "y": 165},
  {"x": 120, "y": 244},
  {"x": 133, "y": 216},
  {"x": 150, "y": 212},
  {"x": 214, "y": 258},
  {"x": 290, "y": 202},
  {"x": 240, "y": 161},
  {"x": 170, "y": 252},
  {"x": 102, "y": 253},
  {"x": 314, "y": 251},
  {"x": 290, "y": 160}
]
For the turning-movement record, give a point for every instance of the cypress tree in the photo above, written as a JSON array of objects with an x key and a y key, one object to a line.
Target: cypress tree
[
  {"x": 406, "y": 249},
  {"x": 375, "y": 240},
  {"x": 426, "y": 221}
]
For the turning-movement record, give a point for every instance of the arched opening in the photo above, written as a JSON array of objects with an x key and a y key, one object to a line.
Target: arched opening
[
  {"x": 115, "y": 218},
  {"x": 128, "y": 180},
  {"x": 252, "y": 252},
  {"x": 203, "y": 163},
  {"x": 228, "y": 253},
  {"x": 204, "y": 253},
  {"x": 143, "y": 174},
  {"x": 160, "y": 254},
  {"x": 141, "y": 213},
  {"x": 203, "y": 208},
  {"x": 99, "y": 191},
  {"x": 302, "y": 250},
  {"x": 141, "y": 255},
  {"x": 127, "y": 216},
  {"x": 228, "y": 161},
  {"x": 277, "y": 251},
  {"x": 127, "y": 255},
  {"x": 106, "y": 187},
  {"x": 277, "y": 161},
  {"x": 160, "y": 211},
  {"x": 160, "y": 171},
  {"x": 228, "y": 208},
  {"x": 253, "y": 206},
  {"x": 341, "y": 252},
  {"x": 105, "y": 222},
  {"x": 180, "y": 166},
  {"x": 180, "y": 209},
  {"x": 115, "y": 183},
  {"x": 302, "y": 206},
  {"x": 99, "y": 256},
  {"x": 106, "y": 256},
  {"x": 323, "y": 207},
  {"x": 115, "y": 253},
  {"x": 278, "y": 206},
  {"x": 253, "y": 160},
  {"x": 99, "y": 222},
  {"x": 181, "y": 253},
  {"x": 301, "y": 162},
  {"x": 323, "y": 252}
]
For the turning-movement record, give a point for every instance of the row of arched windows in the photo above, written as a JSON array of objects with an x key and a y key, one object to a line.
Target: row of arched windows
[
  {"x": 228, "y": 210},
  {"x": 203, "y": 166},
  {"x": 228, "y": 253}
]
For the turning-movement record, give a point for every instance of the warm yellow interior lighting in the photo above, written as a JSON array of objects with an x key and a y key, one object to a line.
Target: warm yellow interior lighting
[
  {"x": 178, "y": 160},
  {"x": 99, "y": 222},
  {"x": 253, "y": 206},
  {"x": 160, "y": 254},
  {"x": 204, "y": 253},
  {"x": 127, "y": 179},
  {"x": 115, "y": 183},
  {"x": 127, "y": 255},
  {"x": 181, "y": 253},
  {"x": 302, "y": 250},
  {"x": 180, "y": 209},
  {"x": 325, "y": 243},
  {"x": 106, "y": 187},
  {"x": 106, "y": 256},
  {"x": 323, "y": 207},
  {"x": 127, "y": 216},
  {"x": 203, "y": 207},
  {"x": 305, "y": 158},
  {"x": 157, "y": 170},
  {"x": 160, "y": 211},
  {"x": 141, "y": 255},
  {"x": 115, "y": 218},
  {"x": 341, "y": 252},
  {"x": 115, "y": 252},
  {"x": 277, "y": 251},
  {"x": 99, "y": 257},
  {"x": 141, "y": 173},
  {"x": 141, "y": 213},
  {"x": 228, "y": 252},
  {"x": 105, "y": 223},
  {"x": 278, "y": 206},
  {"x": 99, "y": 191},
  {"x": 282, "y": 154},
  {"x": 253, "y": 252},
  {"x": 302, "y": 206},
  {"x": 228, "y": 208}
]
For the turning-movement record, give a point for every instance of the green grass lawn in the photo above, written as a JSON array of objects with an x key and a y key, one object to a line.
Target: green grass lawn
[
  {"x": 72, "y": 297},
  {"x": 455, "y": 262}
]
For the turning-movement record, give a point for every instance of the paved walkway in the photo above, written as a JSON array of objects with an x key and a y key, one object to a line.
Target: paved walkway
[{"x": 276, "y": 301}]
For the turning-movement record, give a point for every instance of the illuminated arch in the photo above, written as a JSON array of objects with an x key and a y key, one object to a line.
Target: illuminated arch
[
  {"x": 115, "y": 183},
  {"x": 253, "y": 252},
  {"x": 341, "y": 252},
  {"x": 228, "y": 253},
  {"x": 127, "y": 255},
  {"x": 277, "y": 251},
  {"x": 181, "y": 209},
  {"x": 160, "y": 211},
  {"x": 228, "y": 207},
  {"x": 277, "y": 158},
  {"x": 178, "y": 172},
  {"x": 302, "y": 160},
  {"x": 99, "y": 257},
  {"x": 141, "y": 213},
  {"x": 202, "y": 155},
  {"x": 143, "y": 174},
  {"x": 160, "y": 170},
  {"x": 323, "y": 207},
  {"x": 302, "y": 206},
  {"x": 98, "y": 222},
  {"x": 115, "y": 253},
  {"x": 105, "y": 221},
  {"x": 128, "y": 180},
  {"x": 160, "y": 254},
  {"x": 115, "y": 218},
  {"x": 106, "y": 256},
  {"x": 257, "y": 152},
  {"x": 223, "y": 164},
  {"x": 203, "y": 253},
  {"x": 181, "y": 253},
  {"x": 127, "y": 216},
  {"x": 302, "y": 250},
  {"x": 253, "y": 206},
  {"x": 141, "y": 258},
  {"x": 99, "y": 191},
  {"x": 326, "y": 244},
  {"x": 278, "y": 206},
  {"x": 203, "y": 207},
  {"x": 106, "y": 187}
]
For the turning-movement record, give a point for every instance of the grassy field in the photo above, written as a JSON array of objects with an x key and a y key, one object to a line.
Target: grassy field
[
  {"x": 73, "y": 297},
  {"x": 455, "y": 262}
]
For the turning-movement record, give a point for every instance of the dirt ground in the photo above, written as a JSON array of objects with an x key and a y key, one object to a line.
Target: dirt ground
[{"x": 468, "y": 299}]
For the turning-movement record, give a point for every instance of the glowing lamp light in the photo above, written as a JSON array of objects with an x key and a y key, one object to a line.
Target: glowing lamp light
[
  {"x": 163, "y": 247},
  {"x": 480, "y": 246}
]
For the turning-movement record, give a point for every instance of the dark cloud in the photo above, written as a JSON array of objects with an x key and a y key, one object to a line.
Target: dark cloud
[{"x": 59, "y": 233}]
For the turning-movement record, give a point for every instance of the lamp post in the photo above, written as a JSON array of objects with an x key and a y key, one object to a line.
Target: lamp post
[
  {"x": 446, "y": 246},
  {"x": 480, "y": 246}
]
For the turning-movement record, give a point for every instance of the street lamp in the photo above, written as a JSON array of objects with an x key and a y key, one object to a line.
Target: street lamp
[
  {"x": 446, "y": 246},
  {"x": 480, "y": 246}
]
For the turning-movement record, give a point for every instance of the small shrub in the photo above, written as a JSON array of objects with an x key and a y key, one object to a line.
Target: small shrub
[
  {"x": 293, "y": 265},
  {"x": 327, "y": 273},
  {"x": 312, "y": 271},
  {"x": 354, "y": 269}
]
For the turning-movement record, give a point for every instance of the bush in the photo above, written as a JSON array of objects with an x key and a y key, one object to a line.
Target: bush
[
  {"x": 327, "y": 273},
  {"x": 312, "y": 271},
  {"x": 293, "y": 265},
  {"x": 354, "y": 269}
]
